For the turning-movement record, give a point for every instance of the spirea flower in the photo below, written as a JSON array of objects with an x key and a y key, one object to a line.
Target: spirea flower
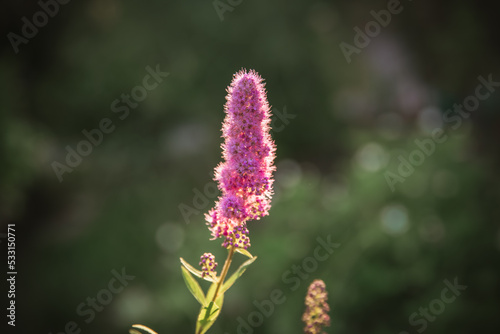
[
  {"x": 207, "y": 264},
  {"x": 245, "y": 175},
  {"x": 316, "y": 315}
]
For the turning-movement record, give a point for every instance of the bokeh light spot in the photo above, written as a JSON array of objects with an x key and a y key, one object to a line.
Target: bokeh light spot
[
  {"x": 170, "y": 237},
  {"x": 394, "y": 219},
  {"x": 372, "y": 157}
]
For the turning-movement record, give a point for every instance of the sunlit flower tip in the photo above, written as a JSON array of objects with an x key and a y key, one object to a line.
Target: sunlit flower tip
[
  {"x": 245, "y": 176},
  {"x": 207, "y": 264},
  {"x": 316, "y": 315}
]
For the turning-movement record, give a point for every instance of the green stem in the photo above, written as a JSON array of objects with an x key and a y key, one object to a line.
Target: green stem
[{"x": 223, "y": 274}]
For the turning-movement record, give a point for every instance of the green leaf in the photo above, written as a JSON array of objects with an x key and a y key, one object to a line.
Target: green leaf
[
  {"x": 207, "y": 317},
  {"x": 244, "y": 252},
  {"x": 195, "y": 271},
  {"x": 210, "y": 312},
  {"x": 193, "y": 286},
  {"x": 230, "y": 281},
  {"x": 211, "y": 292},
  {"x": 144, "y": 328}
]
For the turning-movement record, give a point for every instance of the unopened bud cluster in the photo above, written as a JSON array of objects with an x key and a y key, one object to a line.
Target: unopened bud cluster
[
  {"x": 239, "y": 238},
  {"x": 207, "y": 264}
]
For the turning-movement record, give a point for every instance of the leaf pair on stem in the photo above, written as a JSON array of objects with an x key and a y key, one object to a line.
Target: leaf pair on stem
[{"x": 211, "y": 302}]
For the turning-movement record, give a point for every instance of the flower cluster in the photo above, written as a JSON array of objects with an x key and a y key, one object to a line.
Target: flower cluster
[
  {"x": 245, "y": 176},
  {"x": 316, "y": 315},
  {"x": 207, "y": 264},
  {"x": 239, "y": 238}
]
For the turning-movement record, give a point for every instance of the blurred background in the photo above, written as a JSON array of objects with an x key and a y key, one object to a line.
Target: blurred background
[{"x": 349, "y": 106}]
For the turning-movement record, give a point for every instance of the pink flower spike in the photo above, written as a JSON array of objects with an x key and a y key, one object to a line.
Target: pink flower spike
[
  {"x": 245, "y": 176},
  {"x": 316, "y": 315}
]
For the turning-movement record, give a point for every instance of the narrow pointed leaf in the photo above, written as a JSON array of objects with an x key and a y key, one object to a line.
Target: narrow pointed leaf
[
  {"x": 144, "y": 328},
  {"x": 189, "y": 267},
  {"x": 195, "y": 271},
  {"x": 244, "y": 252},
  {"x": 211, "y": 292},
  {"x": 210, "y": 311},
  {"x": 230, "y": 281},
  {"x": 193, "y": 286},
  {"x": 207, "y": 317}
]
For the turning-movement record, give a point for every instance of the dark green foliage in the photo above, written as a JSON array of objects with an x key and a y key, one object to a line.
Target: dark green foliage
[{"x": 120, "y": 205}]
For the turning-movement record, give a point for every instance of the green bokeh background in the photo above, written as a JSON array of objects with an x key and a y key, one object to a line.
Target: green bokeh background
[{"x": 349, "y": 123}]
